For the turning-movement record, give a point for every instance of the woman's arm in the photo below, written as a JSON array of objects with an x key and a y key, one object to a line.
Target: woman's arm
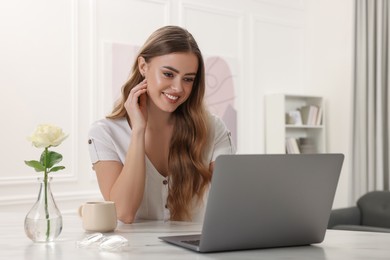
[{"x": 124, "y": 184}]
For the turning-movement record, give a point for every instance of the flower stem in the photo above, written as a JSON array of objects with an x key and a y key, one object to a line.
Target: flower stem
[{"x": 45, "y": 180}]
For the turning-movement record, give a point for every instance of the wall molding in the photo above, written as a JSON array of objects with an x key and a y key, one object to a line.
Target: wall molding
[
  {"x": 290, "y": 4},
  {"x": 74, "y": 92},
  {"x": 292, "y": 23},
  {"x": 60, "y": 178},
  {"x": 208, "y": 8},
  {"x": 59, "y": 197}
]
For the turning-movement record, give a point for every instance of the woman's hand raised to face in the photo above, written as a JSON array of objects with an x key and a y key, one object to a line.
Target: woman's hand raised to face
[{"x": 136, "y": 106}]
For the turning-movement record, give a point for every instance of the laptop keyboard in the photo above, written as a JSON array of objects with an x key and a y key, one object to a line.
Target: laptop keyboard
[{"x": 192, "y": 242}]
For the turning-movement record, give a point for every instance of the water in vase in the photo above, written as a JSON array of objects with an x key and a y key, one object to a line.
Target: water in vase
[{"x": 43, "y": 230}]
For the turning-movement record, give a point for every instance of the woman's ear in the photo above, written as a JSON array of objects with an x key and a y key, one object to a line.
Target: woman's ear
[{"x": 142, "y": 65}]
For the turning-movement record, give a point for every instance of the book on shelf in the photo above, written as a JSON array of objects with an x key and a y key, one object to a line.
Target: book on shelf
[
  {"x": 307, "y": 145},
  {"x": 292, "y": 146},
  {"x": 311, "y": 115},
  {"x": 302, "y": 145},
  {"x": 319, "y": 116}
]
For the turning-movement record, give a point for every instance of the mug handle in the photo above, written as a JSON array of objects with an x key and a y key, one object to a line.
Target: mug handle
[{"x": 81, "y": 211}]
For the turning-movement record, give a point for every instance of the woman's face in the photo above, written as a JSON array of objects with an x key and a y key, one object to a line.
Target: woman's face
[{"x": 170, "y": 79}]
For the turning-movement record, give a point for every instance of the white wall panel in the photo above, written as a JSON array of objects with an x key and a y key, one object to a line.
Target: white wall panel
[
  {"x": 217, "y": 30},
  {"x": 278, "y": 55},
  {"x": 278, "y": 50},
  {"x": 38, "y": 73},
  {"x": 37, "y": 68}
]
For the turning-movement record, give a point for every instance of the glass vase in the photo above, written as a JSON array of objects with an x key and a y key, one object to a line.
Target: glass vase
[{"x": 43, "y": 223}]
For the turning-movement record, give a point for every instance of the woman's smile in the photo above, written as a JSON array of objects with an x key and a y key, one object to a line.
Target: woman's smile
[{"x": 171, "y": 98}]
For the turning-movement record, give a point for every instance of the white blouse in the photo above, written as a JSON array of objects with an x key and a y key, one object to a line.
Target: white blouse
[{"x": 109, "y": 140}]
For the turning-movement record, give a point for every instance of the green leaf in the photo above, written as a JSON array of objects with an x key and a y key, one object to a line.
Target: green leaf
[
  {"x": 57, "y": 168},
  {"x": 36, "y": 165},
  {"x": 52, "y": 158}
]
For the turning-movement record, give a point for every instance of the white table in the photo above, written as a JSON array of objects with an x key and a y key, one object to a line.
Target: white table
[{"x": 144, "y": 244}]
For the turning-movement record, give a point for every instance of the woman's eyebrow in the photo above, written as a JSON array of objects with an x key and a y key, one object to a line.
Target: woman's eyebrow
[{"x": 177, "y": 71}]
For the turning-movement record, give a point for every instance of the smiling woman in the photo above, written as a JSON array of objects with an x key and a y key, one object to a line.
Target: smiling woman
[{"x": 154, "y": 154}]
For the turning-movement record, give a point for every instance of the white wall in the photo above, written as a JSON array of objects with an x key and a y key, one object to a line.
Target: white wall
[
  {"x": 53, "y": 70},
  {"x": 329, "y": 73}
]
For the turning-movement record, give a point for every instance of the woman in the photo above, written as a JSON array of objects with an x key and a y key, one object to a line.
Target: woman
[{"x": 154, "y": 154}]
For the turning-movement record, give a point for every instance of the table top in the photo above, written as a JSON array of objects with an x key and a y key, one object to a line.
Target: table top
[{"x": 144, "y": 243}]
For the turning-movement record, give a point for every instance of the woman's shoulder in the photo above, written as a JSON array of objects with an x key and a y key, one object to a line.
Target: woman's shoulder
[
  {"x": 108, "y": 122},
  {"x": 110, "y": 126},
  {"x": 215, "y": 122}
]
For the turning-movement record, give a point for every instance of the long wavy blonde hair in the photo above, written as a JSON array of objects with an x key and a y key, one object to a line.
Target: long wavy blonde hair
[{"x": 188, "y": 174}]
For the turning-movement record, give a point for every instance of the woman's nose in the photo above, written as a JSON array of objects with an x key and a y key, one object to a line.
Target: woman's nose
[{"x": 177, "y": 85}]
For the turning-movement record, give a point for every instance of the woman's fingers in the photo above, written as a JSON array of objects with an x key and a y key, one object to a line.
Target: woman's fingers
[
  {"x": 135, "y": 105},
  {"x": 136, "y": 92}
]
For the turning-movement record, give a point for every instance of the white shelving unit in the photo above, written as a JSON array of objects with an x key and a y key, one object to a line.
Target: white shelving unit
[{"x": 277, "y": 129}]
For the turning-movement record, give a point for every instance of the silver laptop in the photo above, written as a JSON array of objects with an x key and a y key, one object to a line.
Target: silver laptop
[{"x": 264, "y": 201}]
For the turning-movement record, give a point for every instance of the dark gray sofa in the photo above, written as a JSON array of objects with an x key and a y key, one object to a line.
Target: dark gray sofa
[{"x": 371, "y": 213}]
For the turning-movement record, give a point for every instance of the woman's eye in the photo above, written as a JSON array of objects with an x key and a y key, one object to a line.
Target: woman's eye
[
  {"x": 168, "y": 74},
  {"x": 189, "y": 79}
]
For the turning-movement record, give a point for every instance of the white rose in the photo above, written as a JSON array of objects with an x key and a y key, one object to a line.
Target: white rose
[{"x": 47, "y": 135}]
